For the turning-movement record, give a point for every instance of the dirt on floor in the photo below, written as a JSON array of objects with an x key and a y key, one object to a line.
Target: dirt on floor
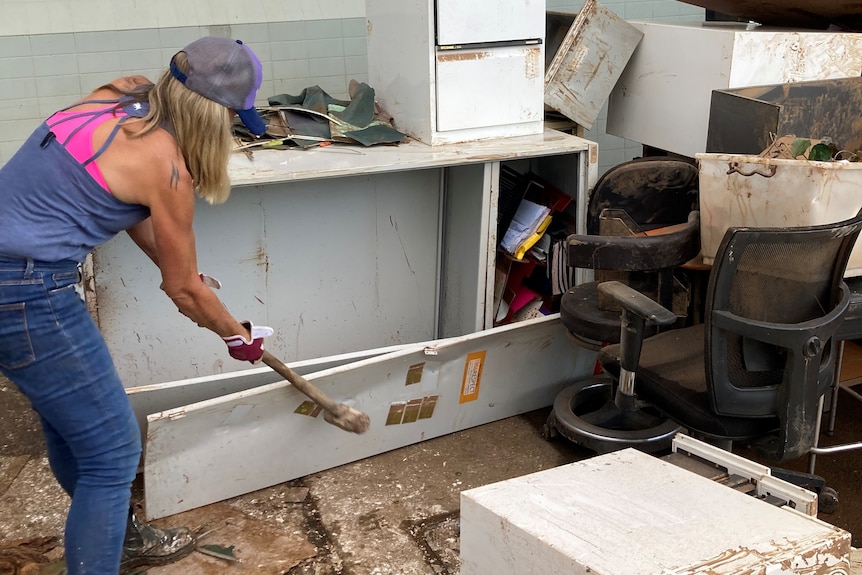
[{"x": 394, "y": 513}]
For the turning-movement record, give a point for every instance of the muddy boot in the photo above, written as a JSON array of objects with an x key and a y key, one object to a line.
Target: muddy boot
[{"x": 146, "y": 545}]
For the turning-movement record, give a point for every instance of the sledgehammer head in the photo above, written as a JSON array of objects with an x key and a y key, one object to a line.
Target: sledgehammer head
[{"x": 348, "y": 419}]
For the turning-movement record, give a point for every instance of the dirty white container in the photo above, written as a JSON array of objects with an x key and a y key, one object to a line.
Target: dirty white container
[{"x": 745, "y": 190}]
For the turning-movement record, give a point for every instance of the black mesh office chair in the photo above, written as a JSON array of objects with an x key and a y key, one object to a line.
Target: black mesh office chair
[
  {"x": 757, "y": 369},
  {"x": 642, "y": 224}
]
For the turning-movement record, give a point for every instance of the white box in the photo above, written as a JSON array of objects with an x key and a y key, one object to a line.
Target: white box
[
  {"x": 488, "y": 85},
  {"x": 629, "y": 513},
  {"x": 663, "y": 96},
  {"x": 745, "y": 190}
]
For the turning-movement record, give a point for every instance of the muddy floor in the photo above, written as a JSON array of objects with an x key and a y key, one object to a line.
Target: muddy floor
[{"x": 395, "y": 513}]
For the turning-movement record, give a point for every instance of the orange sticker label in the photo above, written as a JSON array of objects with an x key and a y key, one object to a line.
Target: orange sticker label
[{"x": 472, "y": 377}]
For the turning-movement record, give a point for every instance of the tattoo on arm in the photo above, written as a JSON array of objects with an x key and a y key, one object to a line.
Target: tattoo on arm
[{"x": 175, "y": 177}]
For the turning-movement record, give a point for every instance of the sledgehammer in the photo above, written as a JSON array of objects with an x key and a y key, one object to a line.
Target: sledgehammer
[{"x": 337, "y": 414}]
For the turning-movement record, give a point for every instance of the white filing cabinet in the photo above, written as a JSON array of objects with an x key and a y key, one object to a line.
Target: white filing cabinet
[
  {"x": 663, "y": 96},
  {"x": 449, "y": 71}
]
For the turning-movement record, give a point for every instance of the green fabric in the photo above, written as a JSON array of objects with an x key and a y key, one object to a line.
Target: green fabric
[{"x": 315, "y": 113}]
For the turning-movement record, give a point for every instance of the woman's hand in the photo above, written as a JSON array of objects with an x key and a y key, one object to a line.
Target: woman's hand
[{"x": 248, "y": 348}]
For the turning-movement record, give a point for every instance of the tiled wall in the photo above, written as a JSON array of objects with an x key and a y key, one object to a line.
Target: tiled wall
[{"x": 52, "y": 52}]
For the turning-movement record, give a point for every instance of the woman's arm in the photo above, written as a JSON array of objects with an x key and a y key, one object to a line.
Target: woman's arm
[{"x": 142, "y": 235}]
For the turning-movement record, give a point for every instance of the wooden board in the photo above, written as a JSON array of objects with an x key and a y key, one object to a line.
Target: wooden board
[{"x": 225, "y": 447}]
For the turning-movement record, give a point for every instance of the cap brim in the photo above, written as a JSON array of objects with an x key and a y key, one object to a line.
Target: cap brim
[{"x": 252, "y": 121}]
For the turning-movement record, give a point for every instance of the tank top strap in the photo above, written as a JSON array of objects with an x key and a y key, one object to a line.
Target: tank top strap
[
  {"x": 91, "y": 116},
  {"x": 76, "y": 104},
  {"x": 108, "y": 141}
]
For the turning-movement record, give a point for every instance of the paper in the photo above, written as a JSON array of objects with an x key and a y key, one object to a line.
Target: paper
[{"x": 528, "y": 218}]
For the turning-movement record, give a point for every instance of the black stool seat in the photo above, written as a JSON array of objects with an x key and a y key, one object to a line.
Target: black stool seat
[{"x": 581, "y": 315}]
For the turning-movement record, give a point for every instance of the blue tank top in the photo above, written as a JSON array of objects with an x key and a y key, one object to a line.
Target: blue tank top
[{"x": 51, "y": 208}]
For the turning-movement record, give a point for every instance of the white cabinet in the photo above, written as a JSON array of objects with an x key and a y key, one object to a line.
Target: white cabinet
[
  {"x": 449, "y": 72},
  {"x": 339, "y": 249}
]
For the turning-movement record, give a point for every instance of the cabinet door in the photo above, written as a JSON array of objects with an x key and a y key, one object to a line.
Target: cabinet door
[
  {"x": 468, "y": 22},
  {"x": 234, "y": 444},
  {"x": 489, "y": 87}
]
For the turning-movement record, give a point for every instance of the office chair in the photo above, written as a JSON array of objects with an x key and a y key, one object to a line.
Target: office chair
[
  {"x": 628, "y": 204},
  {"x": 757, "y": 369},
  {"x": 642, "y": 224}
]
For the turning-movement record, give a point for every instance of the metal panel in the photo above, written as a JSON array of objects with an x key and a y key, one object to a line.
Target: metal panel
[
  {"x": 748, "y": 120},
  {"x": 333, "y": 265},
  {"x": 224, "y": 447},
  {"x": 489, "y": 87},
  {"x": 469, "y": 206},
  {"x": 588, "y": 60},
  {"x": 460, "y": 22}
]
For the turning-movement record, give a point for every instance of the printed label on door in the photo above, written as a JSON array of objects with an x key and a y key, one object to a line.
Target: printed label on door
[{"x": 472, "y": 377}]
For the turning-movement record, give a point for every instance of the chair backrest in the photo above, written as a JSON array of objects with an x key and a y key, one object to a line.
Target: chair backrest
[
  {"x": 775, "y": 299},
  {"x": 655, "y": 191},
  {"x": 637, "y": 197}
]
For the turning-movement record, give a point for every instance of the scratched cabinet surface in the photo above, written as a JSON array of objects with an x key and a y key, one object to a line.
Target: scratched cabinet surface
[
  {"x": 630, "y": 513},
  {"x": 585, "y": 54},
  {"x": 489, "y": 87}
]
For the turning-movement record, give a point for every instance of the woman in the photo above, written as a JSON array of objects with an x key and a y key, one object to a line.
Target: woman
[{"x": 130, "y": 156}]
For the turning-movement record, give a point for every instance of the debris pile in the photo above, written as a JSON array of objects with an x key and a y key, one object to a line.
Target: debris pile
[{"x": 314, "y": 118}]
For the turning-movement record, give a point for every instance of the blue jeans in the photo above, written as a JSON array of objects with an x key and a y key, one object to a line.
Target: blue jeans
[{"x": 52, "y": 350}]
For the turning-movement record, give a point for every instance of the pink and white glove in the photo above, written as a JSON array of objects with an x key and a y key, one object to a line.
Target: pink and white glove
[{"x": 244, "y": 350}]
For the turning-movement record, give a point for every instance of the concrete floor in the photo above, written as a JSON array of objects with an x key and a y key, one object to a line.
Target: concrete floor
[{"x": 395, "y": 513}]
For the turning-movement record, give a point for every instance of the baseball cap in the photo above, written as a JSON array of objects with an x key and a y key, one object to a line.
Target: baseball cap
[{"x": 225, "y": 71}]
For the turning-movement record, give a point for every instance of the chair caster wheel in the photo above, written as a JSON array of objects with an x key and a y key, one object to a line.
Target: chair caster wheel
[
  {"x": 548, "y": 432},
  {"x": 827, "y": 500},
  {"x": 585, "y": 414}
]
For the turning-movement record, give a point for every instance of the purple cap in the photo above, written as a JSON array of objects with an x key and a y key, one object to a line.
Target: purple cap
[{"x": 225, "y": 71}]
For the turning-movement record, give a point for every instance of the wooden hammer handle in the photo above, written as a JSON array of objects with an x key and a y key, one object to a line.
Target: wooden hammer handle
[{"x": 300, "y": 383}]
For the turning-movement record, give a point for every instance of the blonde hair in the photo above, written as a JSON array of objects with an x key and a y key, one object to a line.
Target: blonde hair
[{"x": 201, "y": 128}]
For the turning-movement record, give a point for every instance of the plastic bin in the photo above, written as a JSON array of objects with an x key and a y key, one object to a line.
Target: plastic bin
[{"x": 745, "y": 190}]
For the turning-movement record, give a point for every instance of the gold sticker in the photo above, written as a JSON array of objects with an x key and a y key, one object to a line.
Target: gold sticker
[
  {"x": 414, "y": 373},
  {"x": 411, "y": 412},
  {"x": 428, "y": 405},
  {"x": 308, "y": 408},
  {"x": 396, "y": 412}
]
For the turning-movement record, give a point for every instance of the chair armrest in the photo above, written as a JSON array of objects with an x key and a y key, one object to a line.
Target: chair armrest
[
  {"x": 637, "y": 303},
  {"x": 640, "y": 252},
  {"x": 638, "y": 309}
]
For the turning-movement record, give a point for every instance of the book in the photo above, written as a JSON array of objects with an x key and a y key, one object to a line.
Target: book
[{"x": 528, "y": 225}]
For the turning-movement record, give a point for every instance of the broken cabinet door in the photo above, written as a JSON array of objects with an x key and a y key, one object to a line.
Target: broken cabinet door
[{"x": 228, "y": 446}]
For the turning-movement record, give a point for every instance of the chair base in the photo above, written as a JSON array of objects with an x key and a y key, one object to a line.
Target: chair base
[{"x": 585, "y": 413}]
